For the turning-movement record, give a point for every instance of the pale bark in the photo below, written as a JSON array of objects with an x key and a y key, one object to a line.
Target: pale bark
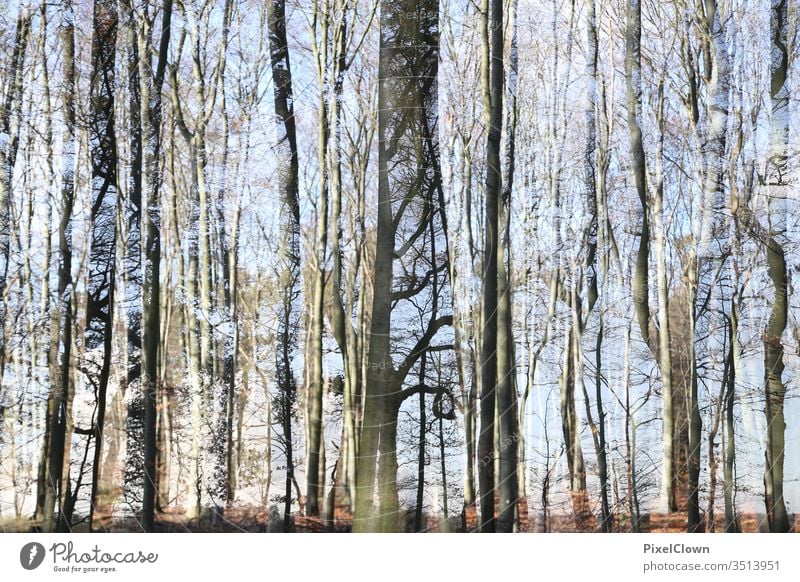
[
  {"x": 507, "y": 487},
  {"x": 492, "y": 85},
  {"x": 10, "y": 124},
  {"x": 321, "y": 21},
  {"x": 150, "y": 85},
  {"x": 58, "y": 492}
]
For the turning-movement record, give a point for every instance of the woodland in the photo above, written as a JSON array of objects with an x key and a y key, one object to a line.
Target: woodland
[{"x": 399, "y": 265}]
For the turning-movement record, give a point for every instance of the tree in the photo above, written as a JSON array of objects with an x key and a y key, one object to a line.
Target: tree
[
  {"x": 507, "y": 485},
  {"x": 150, "y": 116},
  {"x": 640, "y": 283},
  {"x": 597, "y": 267},
  {"x": 492, "y": 86},
  {"x": 58, "y": 491},
  {"x": 410, "y": 207},
  {"x": 286, "y": 153},
  {"x": 102, "y": 254},
  {"x": 776, "y": 180},
  {"x": 10, "y": 123}
]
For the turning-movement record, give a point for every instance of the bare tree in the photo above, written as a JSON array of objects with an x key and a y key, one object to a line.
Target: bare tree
[
  {"x": 102, "y": 271},
  {"x": 286, "y": 153},
  {"x": 776, "y": 180}
]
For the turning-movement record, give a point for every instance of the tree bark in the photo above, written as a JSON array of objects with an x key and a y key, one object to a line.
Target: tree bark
[
  {"x": 150, "y": 86},
  {"x": 492, "y": 82},
  {"x": 775, "y": 389},
  {"x": 507, "y": 486},
  {"x": 314, "y": 377},
  {"x": 58, "y": 491},
  {"x": 10, "y": 124},
  {"x": 409, "y": 201}
]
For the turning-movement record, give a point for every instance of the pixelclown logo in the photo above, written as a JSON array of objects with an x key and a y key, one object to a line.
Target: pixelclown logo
[{"x": 31, "y": 555}]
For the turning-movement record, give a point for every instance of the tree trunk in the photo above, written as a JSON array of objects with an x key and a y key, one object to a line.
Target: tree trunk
[
  {"x": 314, "y": 376},
  {"x": 421, "y": 453},
  {"x": 102, "y": 254},
  {"x": 409, "y": 177},
  {"x": 58, "y": 455},
  {"x": 729, "y": 451},
  {"x": 775, "y": 389},
  {"x": 10, "y": 124},
  {"x": 507, "y": 487},
  {"x": 595, "y": 189},
  {"x": 379, "y": 371},
  {"x": 492, "y": 82},
  {"x": 287, "y": 162},
  {"x": 569, "y": 420},
  {"x": 47, "y": 302},
  {"x": 150, "y": 85}
]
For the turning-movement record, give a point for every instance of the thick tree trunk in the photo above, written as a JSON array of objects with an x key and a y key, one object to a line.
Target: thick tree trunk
[
  {"x": 10, "y": 124},
  {"x": 229, "y": 243},
  {"x": 57, "y": 494},
  {"x": 380, "y": 367},
  {"x": 640, "y": 283},
  {"x": 775, "y": 389},
  {"x": 569, "y": 421},
  {"x": 409, "y": 178},
  {"x": 507, "y": 486},
  {"x": 596, "y": 255},
  {"x": 133, "y": 300},
  {"x": 492, "y": 80},
  {"x": 714, "y": 190},
  {"x": 150, "y": 85}
]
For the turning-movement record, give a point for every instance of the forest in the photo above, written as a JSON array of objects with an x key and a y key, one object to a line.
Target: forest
[{"x": 399, "y": 265}]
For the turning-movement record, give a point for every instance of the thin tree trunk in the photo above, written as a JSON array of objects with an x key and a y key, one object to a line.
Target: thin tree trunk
[
  {"x": 314, "y": 388},
  {"x": 287, "y": 162},
  {"x": 10, "y": 124},
  {"x": 407, "y": 147},
  {"x": 729, "y": 451},
  {"x": 421, "y": 453},
  {"x": 47, "y": 300},
  {"x": 630, "y": 439},
  {"x": 443, "y": 468},
  {"x": 102, "y": 259}
]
